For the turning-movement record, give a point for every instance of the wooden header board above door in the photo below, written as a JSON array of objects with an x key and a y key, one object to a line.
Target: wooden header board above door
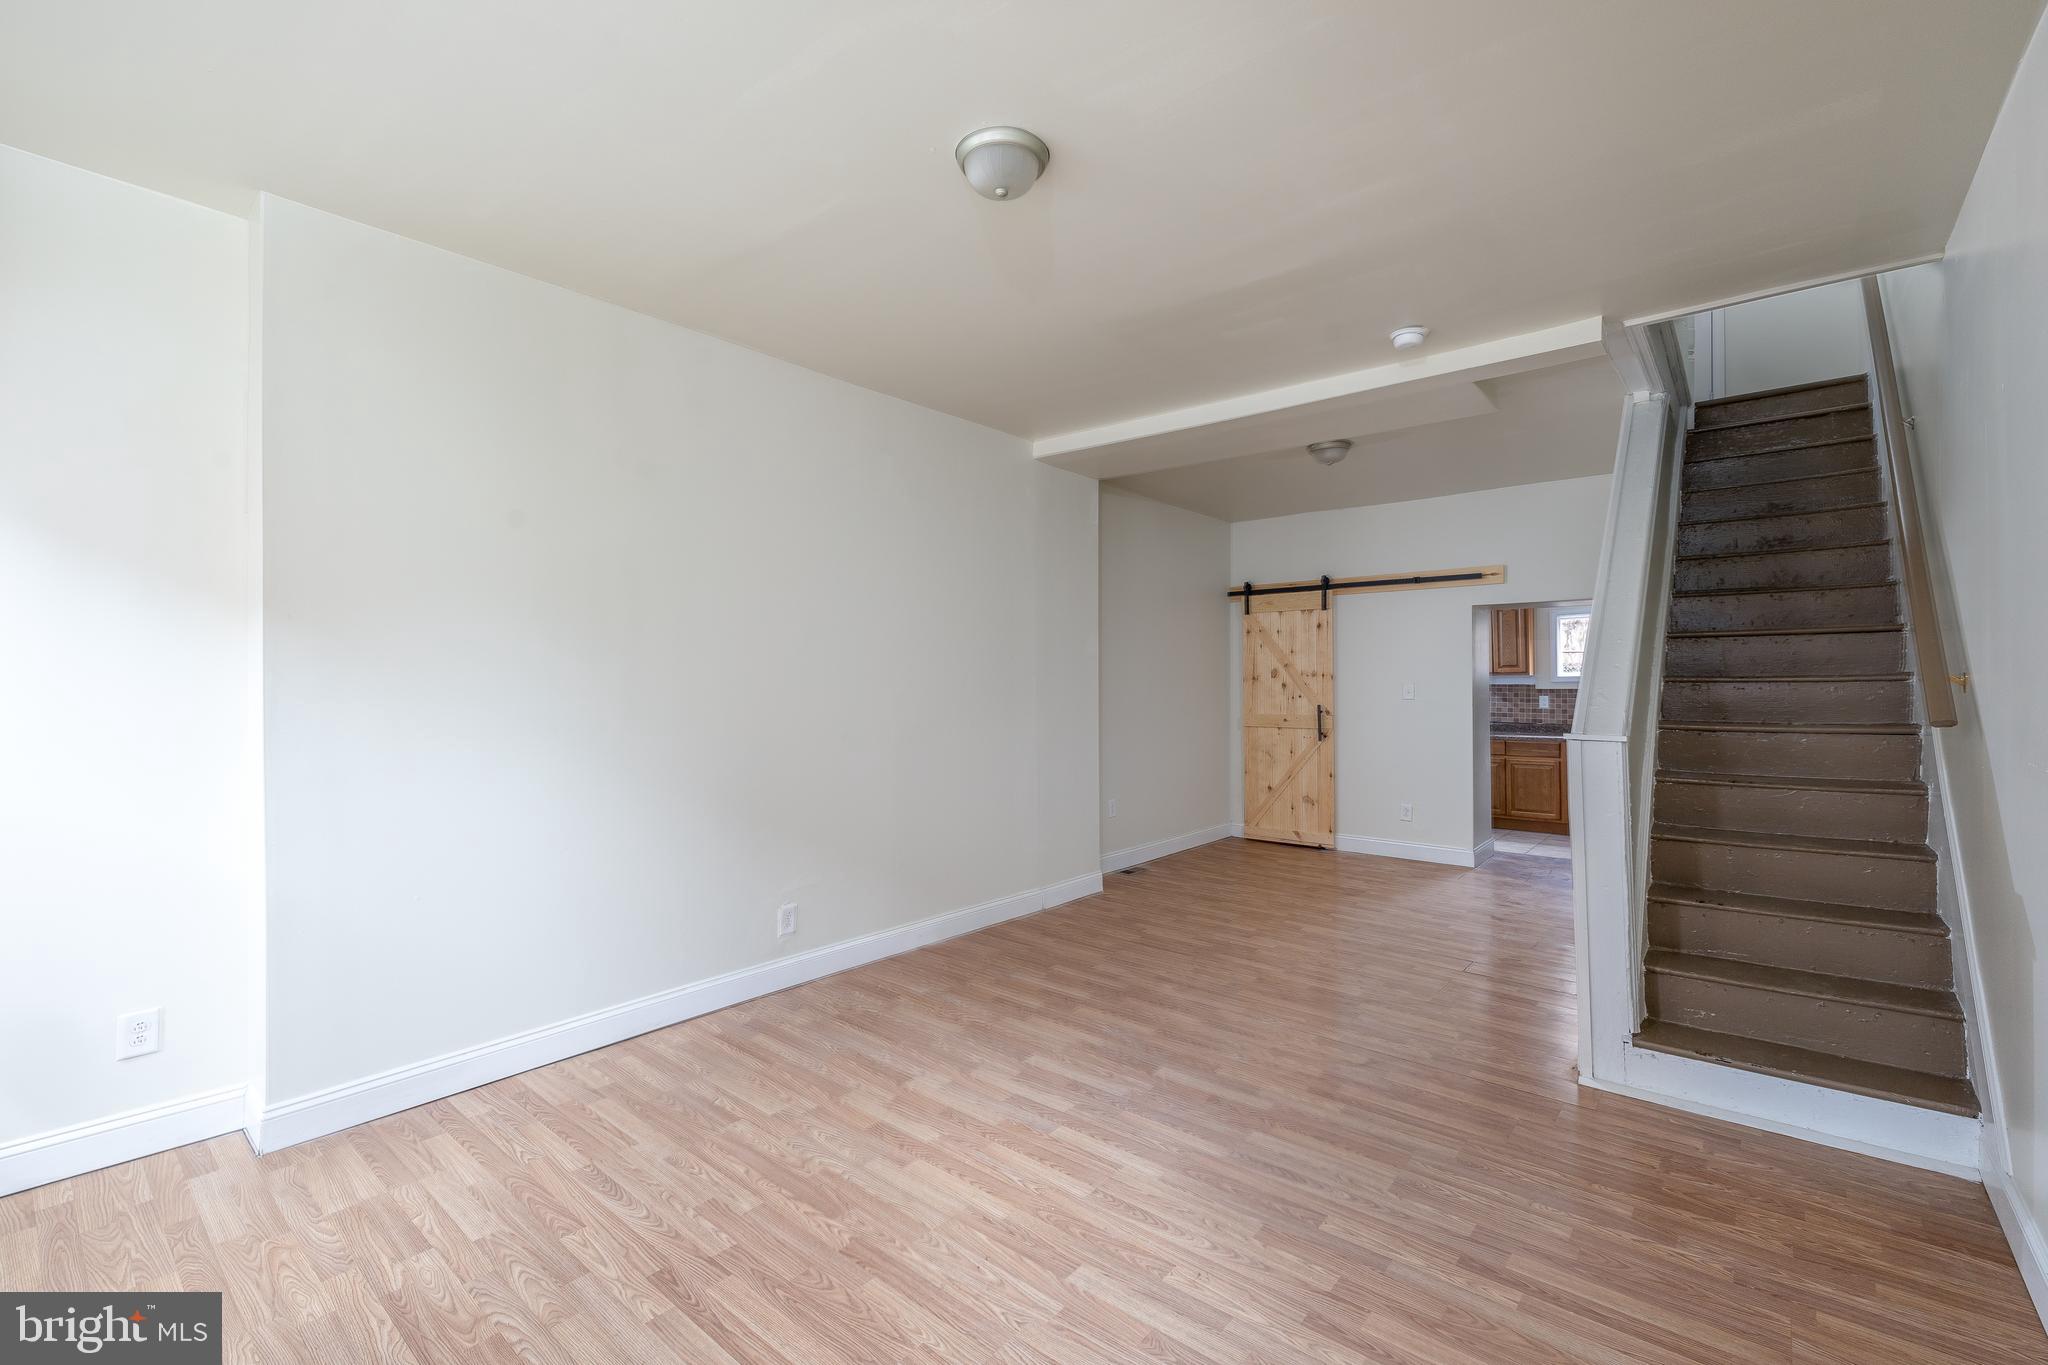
[{"x": 1297, "y": 593}]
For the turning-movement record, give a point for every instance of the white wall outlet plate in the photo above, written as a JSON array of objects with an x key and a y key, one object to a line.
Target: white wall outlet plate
[
  {"x": 785, "y": 920},
  {"x": 1407, "y": 691},
  {"x": 1543, "y": 702},
  {"x": 137, "y": 1033},
  {"x": 1112, "y": 807},
  {"x": 1407, "y": 810}
]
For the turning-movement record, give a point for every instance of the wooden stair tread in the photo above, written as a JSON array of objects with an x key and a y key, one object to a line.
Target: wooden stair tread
[
  {"x": 1800, "y": 728},
  {"x": 1731, "y": 631},
  {"x": 1785, "y": 449},
  {"x": 1698, "y": 678},
  {"x": 1855, "y": 473},
  {"x": 1916, "y": 1088},
  {"x": 1785, "y": 550},
  {"x": 1794, "y": 843},
  {"x": 1740, "y": 423},
  {"x": 1849, "y": 990},
  {"x": 1881, "y": 785},
  {"x": 1806, "y": 512},
  {"x": 1863, "y": 439},
  {"x": 1777, "y": 392},
  {"x": 1904, "y": 921},
  {"x": 1785, "y": 588}
]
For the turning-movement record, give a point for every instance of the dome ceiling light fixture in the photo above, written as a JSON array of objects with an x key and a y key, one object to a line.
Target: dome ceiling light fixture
[
  {"x": 1409, "y": 337},
  {"x": 1329, "y": 452},
  {"x": 1002, "y": 163}
]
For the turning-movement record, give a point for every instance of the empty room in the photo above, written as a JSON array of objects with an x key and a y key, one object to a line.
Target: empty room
[{"x": 901, "y": 681}]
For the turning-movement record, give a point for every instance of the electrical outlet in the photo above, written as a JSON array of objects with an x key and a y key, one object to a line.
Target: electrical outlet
[
  {"x": 1543, "y": 702},
  {"x": 1407, "y": 810},
  {"x": 1407, "y": 691},
  {"x": 137, "y": 1033},
  {"x": 1112, "y": 808},
  {"x": 785, "y": 920}
]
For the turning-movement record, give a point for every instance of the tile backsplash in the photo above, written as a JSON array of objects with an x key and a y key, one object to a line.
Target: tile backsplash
[{"x": 1517, "y": 705}]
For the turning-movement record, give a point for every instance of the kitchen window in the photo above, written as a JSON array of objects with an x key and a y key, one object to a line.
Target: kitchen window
[{"x": 1569, "y": 630}]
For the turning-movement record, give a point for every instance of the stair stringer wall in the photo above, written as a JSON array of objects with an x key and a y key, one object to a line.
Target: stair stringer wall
[{"x": 1951, "y": 887}]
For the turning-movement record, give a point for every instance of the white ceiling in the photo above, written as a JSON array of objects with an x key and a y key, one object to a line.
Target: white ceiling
[
  {"x": 1243, "y": 193},
  {"x": 1556, "y": 423}
]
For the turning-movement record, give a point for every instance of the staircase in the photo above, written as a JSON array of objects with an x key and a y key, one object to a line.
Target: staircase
[{"x": 1791, "y": 918}]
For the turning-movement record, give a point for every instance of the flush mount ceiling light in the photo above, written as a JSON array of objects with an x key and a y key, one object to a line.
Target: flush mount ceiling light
[
  {"x": 1329, "y": 452},
  {"x": 1408, "y": 338},
  {"x": 1002, "y": 163}
]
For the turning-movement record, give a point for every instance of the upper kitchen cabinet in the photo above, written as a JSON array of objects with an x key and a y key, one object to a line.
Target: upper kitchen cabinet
[{"x": 1514, "y": 641}]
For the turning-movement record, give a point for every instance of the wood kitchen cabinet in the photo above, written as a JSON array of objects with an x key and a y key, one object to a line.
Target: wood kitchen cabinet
[
  {"x": 1529, "y": 786},
  {"x": 1514, "y": 641}
]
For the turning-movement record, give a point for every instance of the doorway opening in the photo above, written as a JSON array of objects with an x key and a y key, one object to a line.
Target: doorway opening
[{"x": 1529, "y": 658}]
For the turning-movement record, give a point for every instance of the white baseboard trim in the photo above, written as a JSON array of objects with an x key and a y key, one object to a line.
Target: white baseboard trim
[
  {"x": 1072, "y": 889},
  {"x": 327, "y": 1111},
  {"x": 1450, "y": 855},
  {"x": 2029, "y": 1245},
  {"x": 65, "y": 1152},
  {"x": 1926, "y": 1138},
  {"x": 1160, "y": 848}
]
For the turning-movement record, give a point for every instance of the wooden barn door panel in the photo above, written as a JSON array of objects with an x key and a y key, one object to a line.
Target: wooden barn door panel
[{"x": 1290, "y": 770}]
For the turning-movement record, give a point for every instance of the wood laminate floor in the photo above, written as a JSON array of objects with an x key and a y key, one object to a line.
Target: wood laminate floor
[{"x": 1253, "y": 1103}]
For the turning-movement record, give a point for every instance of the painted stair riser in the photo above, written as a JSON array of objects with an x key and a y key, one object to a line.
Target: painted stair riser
[
  {"x": 1872, "y": 701},
  {"x": 1872, "y": 606},
  {"x": 1785, "y": 656},
  {"x": 1804, "y": 569},
  {"x": 1945, "y": 1094},
  {"x": 1804, "y": 462},
  {"x": 1920, "y": 1042},
  {"x": 1821, "y": 531},
  {"x": 1896, "y": 817},
  {"x": 1795, "y": 874},
  {"x": 1777, "y": 499},
  {"x": 1885, "y": 758},
  {"x": 1718, "y": 411},
  {"x": 1786, "y": 431},
  {"x": 1806, "y": 945}
]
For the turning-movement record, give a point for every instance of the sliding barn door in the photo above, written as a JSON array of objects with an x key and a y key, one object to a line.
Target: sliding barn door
[{"x": 1290, "y": 766}]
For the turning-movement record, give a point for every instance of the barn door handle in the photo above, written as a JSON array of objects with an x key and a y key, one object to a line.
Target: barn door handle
[{"x": 1319, "y": 722}]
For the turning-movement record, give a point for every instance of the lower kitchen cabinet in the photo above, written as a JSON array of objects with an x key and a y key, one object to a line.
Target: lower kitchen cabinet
[{"x": 1529, "y": 786}]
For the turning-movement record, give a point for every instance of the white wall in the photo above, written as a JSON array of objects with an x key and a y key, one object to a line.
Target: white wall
[
  {"x": 1974, "y": 347},
  {"x": 1791, "y": 339},
  {"x": 590, "y": 640},
  {"x": 1423, "y": 751},
  {"x": 128, "y": 776},
  {"x": 1166, "y": 639}
]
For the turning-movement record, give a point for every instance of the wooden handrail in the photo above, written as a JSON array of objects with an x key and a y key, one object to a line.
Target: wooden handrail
[{"x": 1923, "y": 620}]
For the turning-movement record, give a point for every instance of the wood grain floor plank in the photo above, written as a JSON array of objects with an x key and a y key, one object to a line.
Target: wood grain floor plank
[{"x": 1251, "y": 1104}]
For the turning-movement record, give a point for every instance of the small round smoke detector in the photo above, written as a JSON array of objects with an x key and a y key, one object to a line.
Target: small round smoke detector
[
  {"x": 1408, "y": 338},
  {"x": 1329, "y": 452}
]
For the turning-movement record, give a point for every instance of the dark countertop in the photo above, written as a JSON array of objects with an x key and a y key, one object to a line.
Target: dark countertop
[{"x": 1519, "y": 731}]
